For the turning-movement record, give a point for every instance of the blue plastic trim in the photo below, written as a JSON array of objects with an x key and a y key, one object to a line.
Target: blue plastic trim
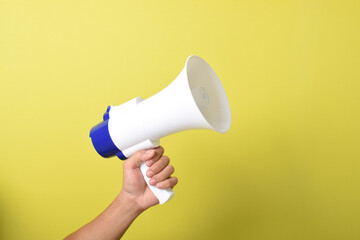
[
  {"x": 106, "y": 115},
  {"x": 121, "y": 155},
  {"x": 101, "y": 140}
]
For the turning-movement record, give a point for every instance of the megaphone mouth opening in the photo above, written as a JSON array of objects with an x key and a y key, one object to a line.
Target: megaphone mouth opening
[{"x": 208, "y": 93}]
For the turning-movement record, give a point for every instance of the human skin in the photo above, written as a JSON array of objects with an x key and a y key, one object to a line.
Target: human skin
[{"x": 134, "y": 197}]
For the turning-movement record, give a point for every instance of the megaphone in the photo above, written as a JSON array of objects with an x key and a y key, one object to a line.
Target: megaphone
[{"x": 196, "y": 99}]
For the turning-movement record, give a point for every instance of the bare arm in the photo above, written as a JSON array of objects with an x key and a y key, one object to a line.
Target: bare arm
[{"x": 134, "y": 198}]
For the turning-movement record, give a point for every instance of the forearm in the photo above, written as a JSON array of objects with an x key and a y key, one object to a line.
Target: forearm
[
  {"x": 112, "y": 223},
  {"x": 133, "y": 199}
]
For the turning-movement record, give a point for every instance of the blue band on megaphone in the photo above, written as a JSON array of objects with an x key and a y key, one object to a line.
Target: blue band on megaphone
[
  {"x": 120, "y": 155},
  {"x": 101, "y": 140}
]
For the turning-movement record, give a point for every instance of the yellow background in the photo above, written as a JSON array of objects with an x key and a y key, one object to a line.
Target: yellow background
[{"x": 287, "y": 169}]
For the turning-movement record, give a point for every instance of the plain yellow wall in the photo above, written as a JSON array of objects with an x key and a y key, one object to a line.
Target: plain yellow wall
[{"x": 287, "y": 169}]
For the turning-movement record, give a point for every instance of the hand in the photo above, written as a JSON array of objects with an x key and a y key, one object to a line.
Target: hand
[{"x": 159, "y": 172}]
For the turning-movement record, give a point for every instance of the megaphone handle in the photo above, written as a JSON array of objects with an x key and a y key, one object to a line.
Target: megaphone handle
[{"x": 163, "y": 195}]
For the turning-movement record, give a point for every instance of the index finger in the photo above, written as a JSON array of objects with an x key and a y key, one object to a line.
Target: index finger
[{"x": 159, "y": 151}]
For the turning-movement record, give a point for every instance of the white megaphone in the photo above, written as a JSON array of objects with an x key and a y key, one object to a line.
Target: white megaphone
[{"x": 195, "y": 99}]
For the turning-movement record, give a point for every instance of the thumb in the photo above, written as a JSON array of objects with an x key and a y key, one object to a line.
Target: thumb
[{"x": 137, "y": 158}]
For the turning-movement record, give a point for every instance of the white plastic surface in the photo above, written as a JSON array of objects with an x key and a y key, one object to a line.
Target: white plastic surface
[
  {"x": 163, "y": 195},
  {"x": 194, "y": 100},
  {"x": 147, "y": 144}
]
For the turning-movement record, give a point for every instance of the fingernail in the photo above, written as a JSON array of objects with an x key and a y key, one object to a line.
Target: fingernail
[
  {"x": 149, "y": 152},
  {"x": 159, "y": 185},
  {"x": 152, "y": 181},
  {"x": 149, "y": 162},
  {"x": 150, "y": 174}
]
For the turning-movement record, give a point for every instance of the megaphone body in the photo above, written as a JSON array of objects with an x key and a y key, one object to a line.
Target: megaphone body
[{"x": 194, "y": 100}]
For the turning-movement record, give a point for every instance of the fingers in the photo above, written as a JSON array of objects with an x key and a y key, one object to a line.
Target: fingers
[
  {"x": 137, "y": 158},
  {"x": 150, "y": 155},
  {"x": 158, "y": 166},
  {"x": 160, "y": 174},
  {"x": 159, "y": 170},
  {"x": 168, "y": 183},
  {"x": 159, "y": 151}
]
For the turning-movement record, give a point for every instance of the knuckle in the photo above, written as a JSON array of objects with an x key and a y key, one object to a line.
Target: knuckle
[
  {"x": 155, "y": 179},
  {"x": 137, "y": 154},
  {"x": 126, "y": 164},
  {"x": 153, "y": 169},
  {"x": 160, "y": 149},
  {"x": 171, "y": 169},
  {"x": 166, "y": 159},
  {"x": 166, "y": 184}
]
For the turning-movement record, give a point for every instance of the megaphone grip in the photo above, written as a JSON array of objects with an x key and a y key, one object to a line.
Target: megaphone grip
[{"x": 163, "y": 195}]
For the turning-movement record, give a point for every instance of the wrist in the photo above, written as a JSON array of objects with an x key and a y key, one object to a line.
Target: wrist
[{"x": 130, "y": 201}]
